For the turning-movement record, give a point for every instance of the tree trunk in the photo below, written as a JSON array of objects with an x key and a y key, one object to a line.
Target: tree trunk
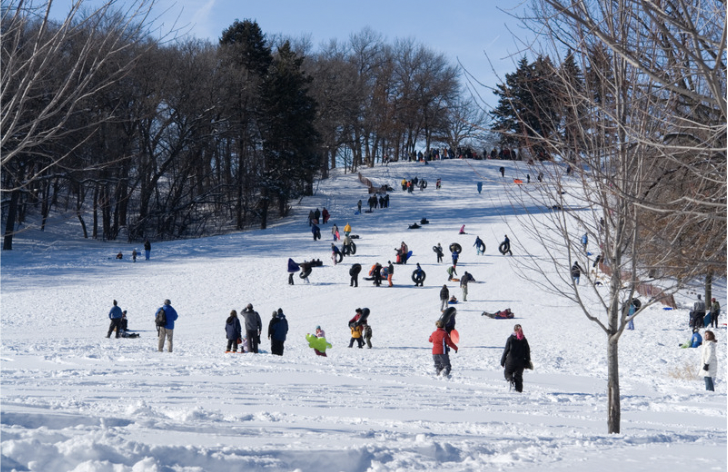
[
  {"x": 708, "y": 287},
  {"x": 614, "y": 410},
  {"x": 10, "y": 222}
]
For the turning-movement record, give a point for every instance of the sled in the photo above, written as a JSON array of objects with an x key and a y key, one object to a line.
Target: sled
[
  {"x": 455, "y": 336},
  {"x": 446, "y": 315},
  {"x": 419, "y": 276},
  {"x": 456, "y": 248},
  {"x": 517, "y": 181},
  {"x": 455, "y": 280},
  {"x": 320, "y": 344}
]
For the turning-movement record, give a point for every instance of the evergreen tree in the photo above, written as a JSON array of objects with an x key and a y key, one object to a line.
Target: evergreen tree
[{"x": 290, "y": 140}]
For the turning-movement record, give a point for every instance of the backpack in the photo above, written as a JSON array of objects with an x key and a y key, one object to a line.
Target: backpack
[{"x": 161, "y": 318}]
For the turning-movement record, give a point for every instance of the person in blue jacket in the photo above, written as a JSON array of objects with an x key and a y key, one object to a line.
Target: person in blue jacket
[
  {"x": 292, "y": 269},
  {"x": 316, "y": 231},
  {"x": 455, "y": 256},
  {"x": 115, "y": 316},
  {"x": 167, "y": 331},
  {"x": 277, "y": 331},
  {"x": 234, "y": 331}
]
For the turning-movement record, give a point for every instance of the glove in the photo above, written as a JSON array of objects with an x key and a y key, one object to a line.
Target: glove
[
  {"x": 705, "y": 366},
  {"x": 456, "y": 350}
]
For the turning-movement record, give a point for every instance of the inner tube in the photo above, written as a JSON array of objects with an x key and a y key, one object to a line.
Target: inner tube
[
  {"x": 455, "y": 247},
  {"x": 339, "y": 256},
  {"x": 305, "y": 272},
  {"x": 418, "y": 279},
  {"x": 355, "y": 269},
  {"x": 637, "y": 304},
  {"x": 482, "y": 246},
  {"x": 504, "y": 247},
  {"x": 352, "y": 246}
]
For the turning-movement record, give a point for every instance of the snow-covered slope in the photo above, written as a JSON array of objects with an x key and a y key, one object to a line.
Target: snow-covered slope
[{"x": 73, "y": 400}]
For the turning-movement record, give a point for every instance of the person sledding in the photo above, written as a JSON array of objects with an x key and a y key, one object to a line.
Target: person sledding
[
  {"x": 451, "y": 273},
  {"x": 318, "y": 342}
]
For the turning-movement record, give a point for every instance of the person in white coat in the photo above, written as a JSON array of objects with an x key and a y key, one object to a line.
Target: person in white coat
[{"x": 708, "y": 360}]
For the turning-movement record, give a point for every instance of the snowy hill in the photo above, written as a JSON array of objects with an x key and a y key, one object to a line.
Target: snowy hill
[{"x": 73, "y": 400}]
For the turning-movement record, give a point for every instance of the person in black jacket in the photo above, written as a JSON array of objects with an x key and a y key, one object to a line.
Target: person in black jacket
[
  {"x": 444, "y": 297},
  {"x": 277, "y": 331},
  {"x": 516, "y": 357},
  {"x": 253, "y": 327}
]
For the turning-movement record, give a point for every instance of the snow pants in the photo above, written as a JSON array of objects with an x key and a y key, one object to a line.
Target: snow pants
[
  {"x": 514, "y": 375},
  {"x": 232, "y": 345},
  {"x": 114, "y": 325},
  {"x": 252, "y": 341},
  {"x": 709, "y": 384},
  {"x": 165, "y": 333},
  {"x": 359, "y": 341},
  {"x": 442, "y": 363},
  {"x": 276, "y": 347}
]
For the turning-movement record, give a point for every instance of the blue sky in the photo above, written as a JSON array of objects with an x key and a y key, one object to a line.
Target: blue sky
[{"x": 464, "y": 30}]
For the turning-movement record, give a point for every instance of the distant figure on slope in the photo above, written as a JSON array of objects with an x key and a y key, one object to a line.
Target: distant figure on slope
[
  {"x": 316, "y": 215},
  {"x": 451, "y": 272},
  {"x": 354, "y": 273},
  {"x": 576, "y": 272},
  {"x": 367, "y": 333},
  {"x": 147, "y": 249},
  {"x": 505, "y": 246},
  {"x": 320, "y": 334},
  {"x": 455, "y": 257},
  {"x": 336, "y": 255},
  {"x": 585, "y": 241},
  {"x": 466, "y": 278},
  {"x": 356, "y": 330},
  {"x": 699, "y": 311},
  {"x": 346, "y": 245},
  {"x": 479, "y": 245},
  {"x": 390, "y": 272},
  {"x": 134, "y": 255},
  {"x": 714, "y": 313},
  {"x": 277, "y": 331},
  {"x": 335, "y": 232},
  {"x": 438, "y": 184},
  {"x": 233, "y": 332},
  {"x": 347, "y": 229},
  {"x": 516, "y": 357},
  {"x": 462, "y": 230},
  {"x": 325, "y": 214},
  {"x": 316, "y": 231},
  {"x": 253, "y": 327},
  {"x": 419, "y": 276},
  {"x": 502, "y": 171},
  {"x": 709, "y": 361},
  {"x": 120, "y": 255},
  {"x": 695, "y": 340},
  {"x": 358, "y": 207},
  {"x": 444, "y": 297},
  {"x": 292, "y": 269},
  {"x": 166, "y": 331},
  {"x": 440, "y": 341},
  {"x": 310, "y": 217},
  {"x": 377, "y": 274},
  {"x": 440, "y": 254},
  {"x": 115, "y": 315}
]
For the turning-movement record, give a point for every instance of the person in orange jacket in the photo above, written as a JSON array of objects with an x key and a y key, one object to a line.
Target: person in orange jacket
[{"x": 440, "y": 339}]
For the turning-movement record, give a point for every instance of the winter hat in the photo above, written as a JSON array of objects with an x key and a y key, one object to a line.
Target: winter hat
[
  {"x": 275, "y": 313},
  {"x": 358, "y": 310},
  {"x": 318, "y": 327},
  {"x": 280, "y": 311},
  {"x": 167, "y": 302},
  {"x": 250, "y": 306}
]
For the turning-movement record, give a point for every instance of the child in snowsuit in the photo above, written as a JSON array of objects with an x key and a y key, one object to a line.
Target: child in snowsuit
[
  {"x": 440, "y": 341},
  {"x": 356, "y": 336},
  {"x": 233, "y": 330},
  {"x": 367, "y": 334}
]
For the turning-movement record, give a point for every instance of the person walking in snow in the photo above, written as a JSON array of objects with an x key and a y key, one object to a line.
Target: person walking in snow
[
  {"x": 347, "y": 229},
  {"x": 709, "y": 361},
  {"x": 390, "y": 272},
  {"x": 233, "y": 332},
  {"x": 325, "y": 214},
  {"x": 439, "y": 251},
  {"x": 166, "y": 331},
  {"x": 366, "y": 333},
  {"x": 466, "y": 278},
  {"x": 346, "y": 245},
  {"x": 714, "y": 313},
  {"x": 699, "y": 312},
  {"x": 444, "y": 297},
  {"x": 358, "y": 207},
  {"x": 277, "y": 331},
  {"x": 354, "y": 273},
  {"x": 310, "y": 217},
  {"x": 316, "y": 231},
  {"x": 479, "y": 245},
  {"x": 335, "y": 253},
  {"x": 440, "y": 340},
  {"x": 516, "y": 357},
  {"x": 419, "y": 276},
  {"x": 576, "y": 272},
  {"x": 505, "y": 246},
  {"x": 115, "y": 315},
  {"x": 147, "y": 249},
  {"x": 316, "y": 215},
  {"x": 584, "y": 241},
  {"x": 335, "y": 232},
  {"x": 455, "y": 257},
  {"x": 253, "y": 327}
]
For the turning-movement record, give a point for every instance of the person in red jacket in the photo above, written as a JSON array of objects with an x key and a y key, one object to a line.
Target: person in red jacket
[{"x": 440, "y": 339}]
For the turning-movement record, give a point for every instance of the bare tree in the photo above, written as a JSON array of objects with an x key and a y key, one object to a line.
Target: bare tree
[
  {"x": 45, "y": 84},
  {"x": 651, "y": 110}
]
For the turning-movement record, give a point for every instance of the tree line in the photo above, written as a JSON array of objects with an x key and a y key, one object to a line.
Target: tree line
[{"x": 148, "y": 138}]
